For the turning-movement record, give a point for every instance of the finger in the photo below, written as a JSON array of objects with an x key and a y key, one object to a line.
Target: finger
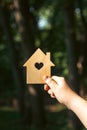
[
  {"x": 51, "y": 93},
  {"x": 50, "y": 82},
  {"x": 52, "y": 96},
  {"x": 46, "y": 87},
  {"x": 59, "y": 80}
]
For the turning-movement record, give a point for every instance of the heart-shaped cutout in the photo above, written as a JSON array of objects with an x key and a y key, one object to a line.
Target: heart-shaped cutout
[{"x": 39, "y": 65}]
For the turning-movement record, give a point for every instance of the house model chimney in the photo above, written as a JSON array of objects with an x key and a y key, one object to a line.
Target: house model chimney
[{"x": 48, "y": 55}]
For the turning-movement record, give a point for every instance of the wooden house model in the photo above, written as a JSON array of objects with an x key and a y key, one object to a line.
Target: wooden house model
[{"x": 38, "y": 65}]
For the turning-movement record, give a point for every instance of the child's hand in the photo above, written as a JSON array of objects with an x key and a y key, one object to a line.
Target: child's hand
[{"x": 57, "y": 87}]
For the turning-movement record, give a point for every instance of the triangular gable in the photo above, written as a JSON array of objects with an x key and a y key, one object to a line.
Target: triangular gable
[{"x": 39, "y": 55}]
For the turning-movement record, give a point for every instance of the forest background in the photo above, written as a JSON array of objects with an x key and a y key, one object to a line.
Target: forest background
[{"x": 56, "y": 26}]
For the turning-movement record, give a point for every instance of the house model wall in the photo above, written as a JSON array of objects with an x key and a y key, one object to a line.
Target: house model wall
[{"x": 37, "y": 66}]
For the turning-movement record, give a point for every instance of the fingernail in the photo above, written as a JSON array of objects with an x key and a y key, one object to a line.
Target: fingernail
[{"x": 45, "y": 77}]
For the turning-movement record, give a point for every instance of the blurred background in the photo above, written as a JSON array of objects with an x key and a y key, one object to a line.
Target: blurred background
[{"x": 55, "y": 26}]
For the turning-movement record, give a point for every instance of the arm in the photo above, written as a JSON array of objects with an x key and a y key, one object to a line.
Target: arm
[
  {"x": 79, "y": 106},
  {"x": 58, "y": 88}
]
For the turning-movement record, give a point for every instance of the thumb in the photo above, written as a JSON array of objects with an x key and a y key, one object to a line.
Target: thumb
[{"x": 50, "y": 82}]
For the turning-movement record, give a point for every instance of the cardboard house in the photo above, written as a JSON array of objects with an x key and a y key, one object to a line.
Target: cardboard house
[{"x": 37, "y": 65}]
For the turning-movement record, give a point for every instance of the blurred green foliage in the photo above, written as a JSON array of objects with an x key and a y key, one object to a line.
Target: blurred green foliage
[
  {"x": 10, "y": 120},
  {"x": 48, "y": 27},
  {"x": 51, "y": 37}
]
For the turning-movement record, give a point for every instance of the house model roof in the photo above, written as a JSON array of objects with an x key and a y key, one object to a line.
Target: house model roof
[{"x": 39, "y": 56}]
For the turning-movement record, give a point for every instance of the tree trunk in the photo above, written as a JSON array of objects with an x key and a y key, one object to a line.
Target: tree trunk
[
  {"x": 17, "y": 75},
  {"x": 84, "y": 39},
  {"x": 70, "y": 39},
  {"x": 27, "y": 29}
]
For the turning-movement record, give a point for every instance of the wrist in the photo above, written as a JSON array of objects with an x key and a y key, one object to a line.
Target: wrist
[{"x": 69, "y": 98}]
